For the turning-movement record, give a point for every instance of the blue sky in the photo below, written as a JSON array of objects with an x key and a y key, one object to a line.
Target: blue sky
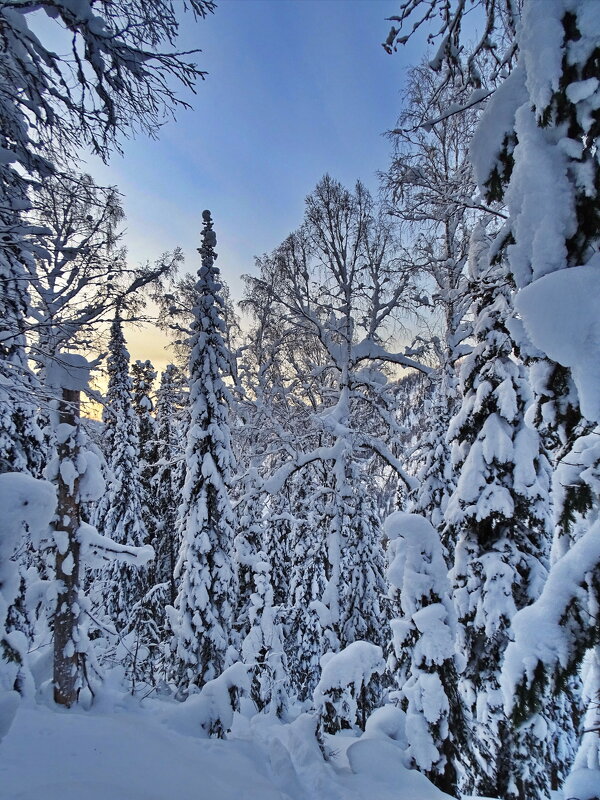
[{"x": 296, "y": 88}]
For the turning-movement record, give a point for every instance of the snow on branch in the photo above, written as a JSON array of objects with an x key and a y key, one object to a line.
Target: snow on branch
[
  {"x": 96, "y": 549},
  {"x": 548, "y": 634},
  {"x": 368, "y": 349},
  {"x": 386, "y": 454},
  {"x": 476, "y": 97},
  {"x": 275, "y": 483}
]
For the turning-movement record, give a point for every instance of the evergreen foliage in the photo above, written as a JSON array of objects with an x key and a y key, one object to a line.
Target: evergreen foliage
[
  {"x": 168, "y": 475},
  {"x": 119, "y": 514},
  {"x": 499, "y": 517},
  {"x": 202, "y": 620},
  {"x": 423, "y": 640}
]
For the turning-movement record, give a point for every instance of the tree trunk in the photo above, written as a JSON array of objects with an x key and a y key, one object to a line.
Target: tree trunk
[{"x": 66, "y": 618}]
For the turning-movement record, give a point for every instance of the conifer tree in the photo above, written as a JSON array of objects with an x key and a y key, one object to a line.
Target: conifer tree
[
  {"x": 143, "y": 376},
  {"x": 168, "y": 476},
  {"x": 119, "y": 513},
  {"x": 21, "y": 447},
  {"x": 499, "y": 517},
  {"x": 437, "y": 728},
  {"x": 363, "y": 598},
  {"x": 250, "y": 525},
  {"x": 539, "y": 157},
  {"x": 202, "y": 619},
  {"x": 278, "y": 536},
  {"x": 307, "y": 617},
  {"x": 258, "y": 620}
]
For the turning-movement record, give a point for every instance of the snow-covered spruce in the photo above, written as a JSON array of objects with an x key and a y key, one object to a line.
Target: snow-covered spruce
[
  {"x": 143, "y": 376},
  {"x": 168, "y": 475},
  {"x": 28, "y": 505},
  {"x": 119, "y": 514},
  {"x": 548, "y": 109},
  {"x": 307, "y": 618},
  {"x": 339, "y": 696},
  {"x": 202, "y": 617},
  {"x": 499, "y": 517},
  {"x": 258, "y": 621},
  {"x": 424, "y": 663}
]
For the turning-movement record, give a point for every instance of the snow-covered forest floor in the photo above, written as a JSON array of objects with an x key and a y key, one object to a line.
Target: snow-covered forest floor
[
  {"x": 123, "y": 751},
  {"x": 157, "y": 751}
]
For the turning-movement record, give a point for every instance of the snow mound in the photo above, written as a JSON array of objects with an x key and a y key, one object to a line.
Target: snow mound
[
  {"x": 355, "y": 665},
  {"x": 583, "y": 784},
  {"x": 378, "y": 760},
  {"x": 127, "y": 753}
]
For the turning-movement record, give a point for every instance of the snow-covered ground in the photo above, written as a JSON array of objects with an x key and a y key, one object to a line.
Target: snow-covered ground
[{"x": 151, "y": 753}]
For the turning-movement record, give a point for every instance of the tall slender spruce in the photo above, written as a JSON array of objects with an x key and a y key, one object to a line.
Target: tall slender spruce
[
  {"x": 202, "y": 620},
  {"x": 119, "y": 513},
  {"x": 499, "y": 517}
]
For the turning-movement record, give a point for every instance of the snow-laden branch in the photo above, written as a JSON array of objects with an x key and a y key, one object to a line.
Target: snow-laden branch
[
  {"x": 368, "y": 349},
  {"x": 476, "y": 97},
  {"x": 386, "y": 454},
  {"x": 548, "y": 634},
  {"x": 96, "y": 549},
  {"x": 275, "y": 483}
]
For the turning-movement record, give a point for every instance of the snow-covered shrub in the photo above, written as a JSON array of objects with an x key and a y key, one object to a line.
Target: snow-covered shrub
[
  {"x": 424, "y": 650},
  {"x": 210, "y": 711},
  {"x": 339, "y": 697},
  {"x": 27, "y": 505}
]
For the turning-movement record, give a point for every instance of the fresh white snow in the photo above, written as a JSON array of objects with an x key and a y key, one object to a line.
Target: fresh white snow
[{"x": 119, "y": 751}]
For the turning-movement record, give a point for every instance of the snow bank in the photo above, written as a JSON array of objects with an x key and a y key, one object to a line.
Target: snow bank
[
  {"x": 560, "y": 313},
  {"x": 127, "y": 756},
  {"x": 582, "y": 784},
  {"x": 131, "y": 755},
  {"x": 379, "y": 761}
]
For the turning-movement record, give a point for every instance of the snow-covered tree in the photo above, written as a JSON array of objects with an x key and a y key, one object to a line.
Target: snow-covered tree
[
  {"x": 143, "y": 376},
  {"x": 363, "y": 606},
  {"x": 538, "y": 156},
  {"x": 80, "y": 273},
  {"x": 258, "y": 620},
  {"x": 168, "y": 476},
  {"x": 307, "y": 618},
  {"x": 430, "y": 187},
  {"x": 339, "y": 696},
  {"x": 333, "y": 292},
  {"x": 78, "y": 479},
  {"x": 119, "y": 515},
  {"x": 53, "y": 106},
  {"x": 29, "y": 505},
  {"x": 499, "y": 517},
  {"x": 425, "y": 658},
  {"x": 202, "y": 618}
]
